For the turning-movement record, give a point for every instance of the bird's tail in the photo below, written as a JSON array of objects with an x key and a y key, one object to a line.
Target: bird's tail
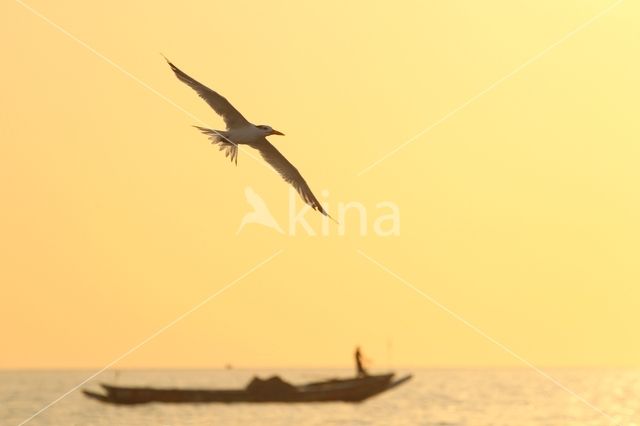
[{"x": 221, "y": 139}]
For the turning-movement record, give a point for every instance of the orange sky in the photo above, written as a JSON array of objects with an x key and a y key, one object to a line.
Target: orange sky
[{"x": 519, "y": 212}]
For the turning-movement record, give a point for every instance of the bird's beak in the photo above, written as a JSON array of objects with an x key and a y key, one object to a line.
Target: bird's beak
[{"x": 275, "y": 132}]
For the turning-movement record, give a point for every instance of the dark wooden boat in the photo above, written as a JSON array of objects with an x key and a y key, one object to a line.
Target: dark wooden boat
[{"x": 273, "y": 389}]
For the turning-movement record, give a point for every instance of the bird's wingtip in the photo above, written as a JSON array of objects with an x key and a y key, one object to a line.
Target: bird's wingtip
[
  {"x": 331, "y": 217},
  {"x": 173, "y": 67}
]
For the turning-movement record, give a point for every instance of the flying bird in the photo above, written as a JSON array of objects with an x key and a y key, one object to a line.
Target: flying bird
[{"x": 240, "y": 131}]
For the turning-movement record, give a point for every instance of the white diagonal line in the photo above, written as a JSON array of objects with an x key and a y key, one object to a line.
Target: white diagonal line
[
  {"x": 491, "y": 87},
  {"x": 482, "y": 333},
  {"x": 135, "y": 78},
  {"x": 154, "y": 335}
]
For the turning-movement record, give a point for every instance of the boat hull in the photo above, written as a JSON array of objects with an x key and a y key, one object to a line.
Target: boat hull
[{"x": 345, "y": 390}]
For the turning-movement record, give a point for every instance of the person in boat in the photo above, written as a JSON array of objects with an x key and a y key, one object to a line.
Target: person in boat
[{"x": 360, "y": 361}]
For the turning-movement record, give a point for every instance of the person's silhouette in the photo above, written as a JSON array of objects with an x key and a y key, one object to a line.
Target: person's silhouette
[{"x": 360, "y": 360}]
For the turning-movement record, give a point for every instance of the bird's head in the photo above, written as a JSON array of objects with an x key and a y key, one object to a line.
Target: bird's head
[{"x": 268, "y": 130}]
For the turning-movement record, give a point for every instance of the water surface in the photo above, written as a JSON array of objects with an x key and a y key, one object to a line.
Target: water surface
[{"x": 465, "y": 397}]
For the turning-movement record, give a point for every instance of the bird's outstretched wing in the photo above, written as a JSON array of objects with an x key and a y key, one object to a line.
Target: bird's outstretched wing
[
  {"x": 289, "y": 173},
  {"x": 231, "y": 116}
]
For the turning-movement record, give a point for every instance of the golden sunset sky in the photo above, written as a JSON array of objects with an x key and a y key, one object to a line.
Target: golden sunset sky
[{"x": 519, "y": 212}]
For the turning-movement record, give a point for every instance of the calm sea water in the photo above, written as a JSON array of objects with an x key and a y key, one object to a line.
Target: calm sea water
[{"x": 513, "y": 397}]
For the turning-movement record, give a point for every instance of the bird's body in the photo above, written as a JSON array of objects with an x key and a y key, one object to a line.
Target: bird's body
[
  {"x": 247, "y": 135},
  {"x": 242, "y": 132}
]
